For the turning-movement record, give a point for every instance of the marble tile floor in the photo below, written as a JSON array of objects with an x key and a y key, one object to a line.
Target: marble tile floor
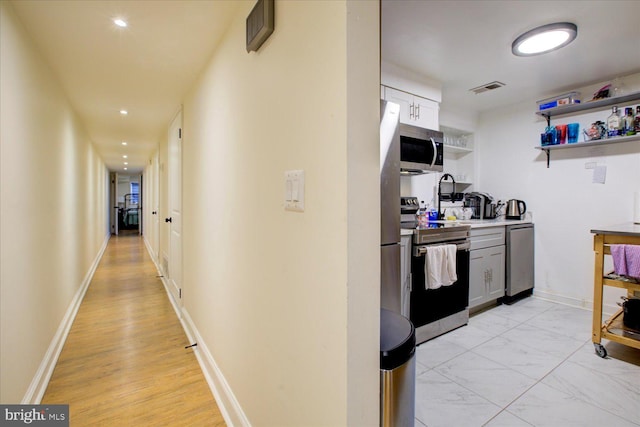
[{"x": 527, "y": 364}]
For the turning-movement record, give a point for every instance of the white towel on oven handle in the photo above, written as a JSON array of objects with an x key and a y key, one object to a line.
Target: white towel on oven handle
[{"x": 440, "y": 266}]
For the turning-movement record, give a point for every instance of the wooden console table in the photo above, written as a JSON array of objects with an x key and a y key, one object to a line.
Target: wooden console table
[{"x": 613, "y": 329}]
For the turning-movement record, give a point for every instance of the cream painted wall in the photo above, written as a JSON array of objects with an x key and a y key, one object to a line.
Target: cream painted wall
[
  {"x": 288, "y": 303},
  {"x": 566, "y": 204},
  {"x": 53, "y": 207},
  {"x": 363, "y": 199}
]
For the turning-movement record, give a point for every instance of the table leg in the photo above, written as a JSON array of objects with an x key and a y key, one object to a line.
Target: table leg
[{"x": 598, "y": 247}]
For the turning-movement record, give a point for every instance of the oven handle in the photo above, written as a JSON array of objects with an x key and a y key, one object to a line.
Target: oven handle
[{"x": 422, "y": 249}]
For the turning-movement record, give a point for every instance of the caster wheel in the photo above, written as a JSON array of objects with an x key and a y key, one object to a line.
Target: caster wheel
[{"x": 600, "y": 350}]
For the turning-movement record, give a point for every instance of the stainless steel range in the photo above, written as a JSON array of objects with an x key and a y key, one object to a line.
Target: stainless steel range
[{"x": 436, "y": 311}]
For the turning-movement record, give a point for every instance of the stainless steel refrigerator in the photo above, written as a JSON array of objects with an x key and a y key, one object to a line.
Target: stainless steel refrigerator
[{"x": 390, "y": 288}]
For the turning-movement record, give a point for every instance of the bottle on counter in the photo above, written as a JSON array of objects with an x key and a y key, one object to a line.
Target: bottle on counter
[
  {"x": 629, "y": 122},
  {"x": 614, "y": 123},
  {"x": 422, "y": 215}
]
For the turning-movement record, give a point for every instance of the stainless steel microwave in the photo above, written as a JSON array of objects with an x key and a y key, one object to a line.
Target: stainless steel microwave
[{"x": 421, "y": 150}]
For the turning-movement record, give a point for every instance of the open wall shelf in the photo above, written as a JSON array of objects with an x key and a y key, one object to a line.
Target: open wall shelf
[{"x": 587, "y": 106}]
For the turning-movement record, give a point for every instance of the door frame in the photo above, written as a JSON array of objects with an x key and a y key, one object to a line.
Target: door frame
[{"x": 174, "y": 194}]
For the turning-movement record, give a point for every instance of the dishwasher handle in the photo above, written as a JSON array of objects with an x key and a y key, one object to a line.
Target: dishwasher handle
[{"x": 519, "y": 226}]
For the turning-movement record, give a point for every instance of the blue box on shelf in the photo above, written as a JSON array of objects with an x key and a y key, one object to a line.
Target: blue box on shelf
[{"x": 556, "y": 101}]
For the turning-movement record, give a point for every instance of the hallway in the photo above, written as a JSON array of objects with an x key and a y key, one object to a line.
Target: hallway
[{"x": 124, "y": 361}]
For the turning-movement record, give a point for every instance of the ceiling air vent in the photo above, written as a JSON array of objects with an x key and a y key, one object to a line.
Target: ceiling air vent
[{"x": 486, "y": 87}]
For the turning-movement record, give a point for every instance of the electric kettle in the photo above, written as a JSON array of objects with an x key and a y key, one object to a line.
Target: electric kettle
[{"x": 515, "y": 209}]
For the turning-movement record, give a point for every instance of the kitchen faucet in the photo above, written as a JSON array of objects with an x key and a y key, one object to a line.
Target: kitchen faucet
[{"x": 453, "y": 191}]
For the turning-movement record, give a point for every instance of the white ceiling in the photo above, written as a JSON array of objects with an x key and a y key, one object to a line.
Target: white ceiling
[
  {"x": 465, "y": 44},
  {"x": 148, "y": 67},
  {"x": 145, "y": 68}
]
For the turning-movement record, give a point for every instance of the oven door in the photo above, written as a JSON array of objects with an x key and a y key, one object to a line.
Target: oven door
[{"x": 430, "y": 305}]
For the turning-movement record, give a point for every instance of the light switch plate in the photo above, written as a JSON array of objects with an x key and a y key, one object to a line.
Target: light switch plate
[{"x": 294, "y": 190}]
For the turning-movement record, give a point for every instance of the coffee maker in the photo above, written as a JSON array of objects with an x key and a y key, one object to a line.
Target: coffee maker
[{"x": 482, "y": 204}]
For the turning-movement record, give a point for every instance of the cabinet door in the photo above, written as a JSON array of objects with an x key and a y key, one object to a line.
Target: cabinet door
[
  {"x": 477, "y": 278},
  {"x": 426, "y": 113},
  {"x": 414, "y": 110},
  {"x": 405, "y": 100},
  {"x": 486, "y": 275},
  {"x": 495, "y": 262}
]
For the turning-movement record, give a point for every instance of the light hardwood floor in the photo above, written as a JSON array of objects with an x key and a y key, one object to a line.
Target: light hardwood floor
[{"x": 124, "y": 361}]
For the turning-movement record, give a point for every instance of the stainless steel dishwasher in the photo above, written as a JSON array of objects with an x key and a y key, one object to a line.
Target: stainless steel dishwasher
[{"x": 520, "y": 276}]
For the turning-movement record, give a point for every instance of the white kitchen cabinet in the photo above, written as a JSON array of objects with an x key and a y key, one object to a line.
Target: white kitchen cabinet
[
  {"x": 486, "y": 275},
  {"x": 486, "y": 265},
  {"x": 414, "y": 110},
  {"x": 405, "y": 273}
]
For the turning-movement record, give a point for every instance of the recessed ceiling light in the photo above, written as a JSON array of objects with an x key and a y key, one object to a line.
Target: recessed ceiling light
[
  {"x": 124, "y": 142},
  {"x": 544, "y": 39},
  {"x": 124, "y": 112},
  {"x": 124, "y": 157},
  {"x": 125, "y": 168},
  {"x": 126, "y": 163},
  {"x": 120, "y": 23}
]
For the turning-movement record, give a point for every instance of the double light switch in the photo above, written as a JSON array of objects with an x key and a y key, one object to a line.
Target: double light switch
[{"x": 294, "y": 190}]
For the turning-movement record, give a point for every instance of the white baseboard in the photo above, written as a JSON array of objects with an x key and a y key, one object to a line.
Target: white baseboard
[
  {"x": 161, "y": 276},
  {"x": 227, "y": 402},
  {"x": 147, "y": 244},
  {"x": 607, "y": 309},
  {"x": 222, "y": 393},
  {"x": 40, "y": 381}
]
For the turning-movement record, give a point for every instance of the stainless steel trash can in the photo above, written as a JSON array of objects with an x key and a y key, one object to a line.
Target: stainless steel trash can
[{"x": 397, "y": 370}]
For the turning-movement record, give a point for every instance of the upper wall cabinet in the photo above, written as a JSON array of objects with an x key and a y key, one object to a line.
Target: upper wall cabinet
[{"x": 414, "y": 110}]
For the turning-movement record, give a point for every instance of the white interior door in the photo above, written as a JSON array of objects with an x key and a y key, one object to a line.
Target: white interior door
[
  {"x": 114, "y": 202},
  {"x": 175, "y": 208},
  {"x": 141, "y": 196},
  {"x": 155, "y": 213}
]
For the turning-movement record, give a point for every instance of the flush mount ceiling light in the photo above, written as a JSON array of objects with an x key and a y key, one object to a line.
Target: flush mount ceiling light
[
  {"x": 120, "y": 22},
  {"x": 544, "y": 39},
  {"x": 124, "y": 112},
  {"x": 124, "y": 142}
]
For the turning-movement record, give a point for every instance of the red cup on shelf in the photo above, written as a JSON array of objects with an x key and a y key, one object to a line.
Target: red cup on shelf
[{"x": 562, "y": 134}]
